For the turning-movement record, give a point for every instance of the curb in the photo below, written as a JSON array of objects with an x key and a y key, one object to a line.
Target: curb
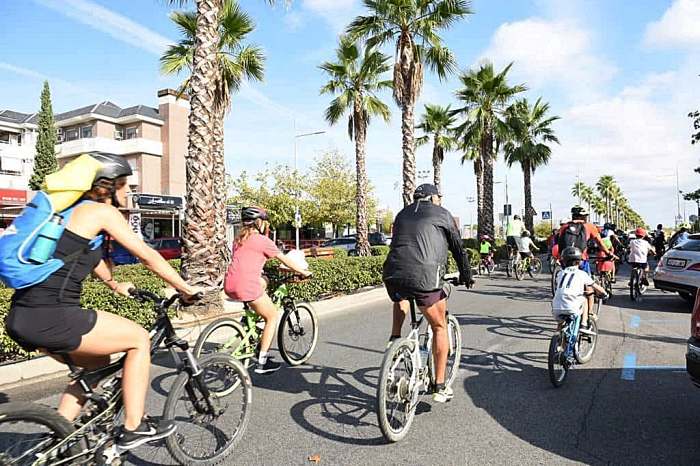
[{"x": 187, "y": 326}]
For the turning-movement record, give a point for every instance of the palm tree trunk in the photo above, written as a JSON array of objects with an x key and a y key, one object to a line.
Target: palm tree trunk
[
  {"x": 199, "y": 238},
  {"x": 219, "y": 171},
  {"x": 437, "y": 166},
  {"x": 486, "y": 226},
  {"x": 527, "y": 178},
  {"x": 479, "y": 175},
  {"x": 361, "y": 170},
  {"x": 409, "y": 158}
]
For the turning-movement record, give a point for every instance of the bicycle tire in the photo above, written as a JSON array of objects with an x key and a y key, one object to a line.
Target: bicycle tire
[
  {"x": 180, "y": 390},
  {"x": 536, "y": 265},
  {"x": 554, "y": 359},
  {"x": 480, "y": 270},
  {"x": 454, "y": 335},
  {"x": 585, "y": 355},
  {"x": 289, "y": 327},
  {"x": 519, "y": 270},
  {"x": 401, "y": 348},
  {"x": 553, "y": 282},
  {"x": 38, "y": 414},
  {"x": 634, "y": 288},
  {"x": 204, "y": 346}
]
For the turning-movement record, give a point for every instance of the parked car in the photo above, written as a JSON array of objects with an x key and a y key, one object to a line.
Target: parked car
[
  {"x": 169, "y": 248},
  {"x": 348, "y": 243},
  {"x": 678, "y": 270},
  {"x": 120, "y": 256},
  {"x": 692, "y": 355},
  {"x": 375, "y": 239}
]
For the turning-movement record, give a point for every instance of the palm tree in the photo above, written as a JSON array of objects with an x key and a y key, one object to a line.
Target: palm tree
[
  {"x": 355, "y": 78},
  {"x": 605, "y": 186},
  {"x": 234, "y": 63},
  {"x": 588, "y": 197},
  {"x": 578, "y": 190},
  {"x": 598, "y": 206},
  {"x": 486, "y": 96},
  {"x": 414, "y": 26},
  {"x": 438, "y": 122},
  {"x": 531, "y": 130}
]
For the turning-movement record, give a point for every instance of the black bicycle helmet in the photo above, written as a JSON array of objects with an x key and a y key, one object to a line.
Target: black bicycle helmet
[
  {"x": 570, "y": 255},
  {"x": 250, "y": 214},
  {"x": 578, "y": 211},
  {"x": 113, "y": 166}
]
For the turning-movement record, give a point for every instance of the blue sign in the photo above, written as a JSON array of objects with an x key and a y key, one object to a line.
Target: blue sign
[{"x": 546, "y": 215}]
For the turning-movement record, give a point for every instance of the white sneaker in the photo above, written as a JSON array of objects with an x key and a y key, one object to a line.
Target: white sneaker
[
  {"x": 586, "y": 331},
  {"x": 444, "y": 395}
]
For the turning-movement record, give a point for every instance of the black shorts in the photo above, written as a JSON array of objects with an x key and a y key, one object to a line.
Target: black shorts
[
  {"x": 639, "y": 265},
  {"x": 423, "y": 298},
  {"x": 56, "y": 329},
  {"x": 523, "y": 255},
  {"x": 510, "y": 241},
  {"x": 484, "y": 255}
]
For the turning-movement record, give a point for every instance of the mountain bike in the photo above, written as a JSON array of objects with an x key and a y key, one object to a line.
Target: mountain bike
[
  {"x": 512, "y": 259},
  {"x": 486, "y": 265},
  {"x": 297, "y": 333},
  {"x": 636, "y": 284},
  {"x": 569, "y": 347},
  {"x": 530, "y": 265},
  {"x": 408, "y": 370},
  {"x": 208, "y": 424}
]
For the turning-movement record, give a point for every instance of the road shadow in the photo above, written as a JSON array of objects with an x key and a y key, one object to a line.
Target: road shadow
[
  {"x": 340, "y": 406},
  {"x": 527, "y": 290},
  {"x": 596, "y": 417},
  {"x": 525, "y": 327}
]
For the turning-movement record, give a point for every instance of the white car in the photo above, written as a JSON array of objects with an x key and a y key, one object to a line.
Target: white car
[{"x": 679, "y": 269}]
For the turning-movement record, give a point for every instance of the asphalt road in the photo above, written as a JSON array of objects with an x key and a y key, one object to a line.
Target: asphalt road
[{"x": 632, "y": 404}]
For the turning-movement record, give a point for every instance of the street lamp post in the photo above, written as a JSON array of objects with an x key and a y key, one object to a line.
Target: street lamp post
[
  {"x": 297, "y": 215},
  {"x": 470, "y": 200}
]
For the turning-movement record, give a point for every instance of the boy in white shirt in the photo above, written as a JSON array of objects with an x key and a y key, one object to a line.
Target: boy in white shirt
[
  {"x": 524, "y": 244},
  {"x": 572, "y": 286},
  {"x": 640, "y": 250}
]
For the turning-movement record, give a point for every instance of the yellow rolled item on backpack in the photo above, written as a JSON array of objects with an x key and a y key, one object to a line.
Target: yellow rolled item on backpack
[{"x": 68, "y": 184}]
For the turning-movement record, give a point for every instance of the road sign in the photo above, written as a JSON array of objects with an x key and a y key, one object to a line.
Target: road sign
[
  {"x": 693, "y": 218},
  {"x": 546, "y": 215},
  {"x": 507, "y": 209},
  {"x": 297, "y": 219}
]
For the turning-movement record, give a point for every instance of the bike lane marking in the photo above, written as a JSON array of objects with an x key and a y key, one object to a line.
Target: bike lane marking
[{"x": 628, "y": 366}]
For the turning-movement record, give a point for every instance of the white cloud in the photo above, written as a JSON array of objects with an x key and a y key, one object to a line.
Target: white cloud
[
  {"x": 545, "y": 52},
  {"x": 294, "y": 21},
  {"x": 118, "y": 26},
  {"x": 54, "y": 82},
  {"x": 679, "y": 26},
  {"x": 337, "y": 13}
]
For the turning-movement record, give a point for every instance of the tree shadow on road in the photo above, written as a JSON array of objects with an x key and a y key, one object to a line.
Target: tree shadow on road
[
  {"x": 527, "y": 326},
  {"x": 596, "y": 417}
]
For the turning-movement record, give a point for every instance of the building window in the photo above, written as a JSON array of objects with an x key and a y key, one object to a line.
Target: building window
[
  {"x": 19, "y": 139},
  {"x": 71, "y": 134},
  {"x": 131, "y": 133},
  {"x": 4, "y": 138},
  {"x": 86, "y": 132}
]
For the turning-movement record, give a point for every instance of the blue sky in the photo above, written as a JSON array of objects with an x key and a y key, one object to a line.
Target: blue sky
[{"x": 622, "y": 75}]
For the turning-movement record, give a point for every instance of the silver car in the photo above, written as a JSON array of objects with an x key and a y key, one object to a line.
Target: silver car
[{"x": 678, "y": 270}]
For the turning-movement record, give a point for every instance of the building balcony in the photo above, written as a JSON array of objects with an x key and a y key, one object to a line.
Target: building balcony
[
  {"x": 8, "y": 181},
  {"x": 113, "y": 146},
  {"x": 16, "y": 151}
]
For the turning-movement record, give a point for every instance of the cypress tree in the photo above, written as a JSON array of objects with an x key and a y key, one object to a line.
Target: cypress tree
[{"x": 45, "y": 159}]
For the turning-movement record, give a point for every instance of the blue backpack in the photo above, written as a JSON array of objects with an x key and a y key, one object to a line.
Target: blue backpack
[{"x": 16, "y": 271}]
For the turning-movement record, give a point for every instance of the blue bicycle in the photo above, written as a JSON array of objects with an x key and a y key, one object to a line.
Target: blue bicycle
[{"x": 569, "y": 346}]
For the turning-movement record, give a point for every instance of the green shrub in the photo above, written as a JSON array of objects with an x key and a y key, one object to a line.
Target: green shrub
[
  {"x": 379, "y": 250},
  {"x": 340, "y": 252}
]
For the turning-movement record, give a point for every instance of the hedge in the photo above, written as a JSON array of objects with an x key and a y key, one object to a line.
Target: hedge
[{"x": 95, "y": 296}]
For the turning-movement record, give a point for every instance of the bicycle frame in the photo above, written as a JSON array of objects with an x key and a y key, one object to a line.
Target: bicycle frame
[
  {"x": 570, "y": 330},
  {"x": 162, "y": 332}
]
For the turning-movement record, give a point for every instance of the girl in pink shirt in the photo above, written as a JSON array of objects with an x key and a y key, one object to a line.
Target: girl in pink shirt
[{"x": 244, "y": 281}]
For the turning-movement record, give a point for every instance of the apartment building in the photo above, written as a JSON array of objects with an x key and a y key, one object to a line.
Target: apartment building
[{"x": 153, "y": 141}]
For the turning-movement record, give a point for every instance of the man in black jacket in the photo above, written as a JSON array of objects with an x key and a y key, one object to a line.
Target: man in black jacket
[{"x": 422, "y": 235}]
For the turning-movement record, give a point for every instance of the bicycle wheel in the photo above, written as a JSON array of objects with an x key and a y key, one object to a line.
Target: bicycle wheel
[
  {"x": 297, "y": 334},
  {"x": 206, "y": 436},
  {"x": 536, "y": 265},
  {"x": 634, "y": 285},
  {"x": 481, "y": 270},
  {"x": 223, "y": 336},
  {"x": 509, "y": 267},
  {"x": 557, "y": 366},
  {"x": 396, "y": 398},
  {"x": 29, "y": 431},
  {"x": 519, "y": 270},
  {"x": 585, "y": 345},
  {"x": 454, "y": 335},
  {"x": 553, "y": 281}
]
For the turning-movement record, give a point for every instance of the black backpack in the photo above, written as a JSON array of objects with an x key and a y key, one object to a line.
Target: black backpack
[{"x": 573, "y": 235}]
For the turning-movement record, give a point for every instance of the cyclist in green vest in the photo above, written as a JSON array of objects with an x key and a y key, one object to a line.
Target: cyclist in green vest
[{"x": 485, "y": 247}]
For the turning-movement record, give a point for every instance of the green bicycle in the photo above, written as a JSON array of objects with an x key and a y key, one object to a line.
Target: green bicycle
[
  {"x": 297, "y": 333},
  {"x": 531, "y": 265}
]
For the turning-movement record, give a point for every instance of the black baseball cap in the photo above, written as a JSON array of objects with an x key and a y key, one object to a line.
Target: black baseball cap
[{"x": 425, "y": 190}]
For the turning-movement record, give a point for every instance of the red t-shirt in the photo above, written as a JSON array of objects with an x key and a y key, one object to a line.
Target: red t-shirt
[
  {"x": 242, "y": 281},
  {"x": 591, "y": 232}
]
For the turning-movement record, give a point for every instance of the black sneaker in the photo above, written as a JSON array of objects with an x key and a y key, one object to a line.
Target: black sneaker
[
  {"x": 148, "y": 431},
  {"x": 269, "y": 367}
]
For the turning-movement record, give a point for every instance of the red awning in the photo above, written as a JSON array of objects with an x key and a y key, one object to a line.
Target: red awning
[{"x": 13, "y": 197}]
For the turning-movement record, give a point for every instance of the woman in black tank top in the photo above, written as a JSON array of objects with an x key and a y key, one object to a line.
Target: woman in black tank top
[{"x": 47, "y": 316}]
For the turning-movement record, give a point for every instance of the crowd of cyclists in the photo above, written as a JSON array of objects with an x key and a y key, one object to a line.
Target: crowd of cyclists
[{"x": 47, "y": 316}]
